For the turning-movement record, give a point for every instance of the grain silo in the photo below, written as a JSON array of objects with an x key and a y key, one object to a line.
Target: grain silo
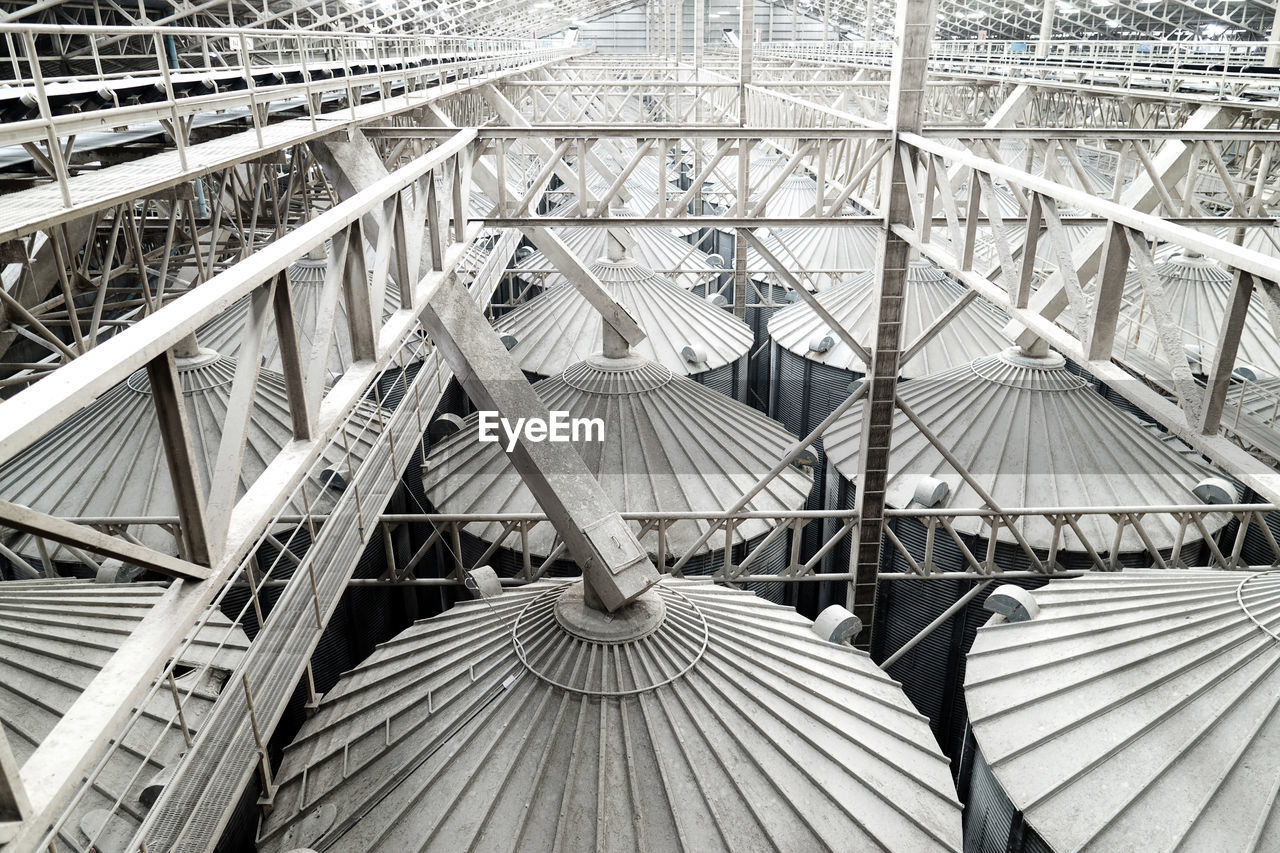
[
  {"x": 58, "y": 635},
  {"x": 224, "y": 333},
  {"x": 813, "y": 369},
  {"x": 668, "y": 445},
  {"x": 1130, "y": 711},
  {"x": 821, "y": 256},
  {"x": 686, "y": 333},
  {"x": 1030, "y": 434},
  {"x": 107, "y": 460},
  {"x": 796, "y": 196},
  {"x": 699, "y": 718},
  {"x": 655, "y": 248},
  {"x": 1197, "y": 291}
]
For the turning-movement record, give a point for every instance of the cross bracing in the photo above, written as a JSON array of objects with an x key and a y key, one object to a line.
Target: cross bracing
[{"x": 164, "y": 165}]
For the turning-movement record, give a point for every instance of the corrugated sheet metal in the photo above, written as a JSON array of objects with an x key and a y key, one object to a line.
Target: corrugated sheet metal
[
  {"x": 974, "y": 332},
  {"x": 991, "y": 823},
  {"x": 108, "y": 459},
  {"x": 57, "y": 636},
  {"x": 1198, "y": 290},
  {"x": 560, "y": 327},
  {"x": 669, "y": 445},
  {"x": 1137, "y": 711},
  {"x": 730, "y": 726},
  {"x": 225, "y": 333},
  {"x": 1033, "y": 435},
  {"x": 656, "y": 248},
  {"x": 824, "y": 255}
]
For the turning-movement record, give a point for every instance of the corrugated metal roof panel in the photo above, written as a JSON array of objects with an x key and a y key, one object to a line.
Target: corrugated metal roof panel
[
  {"x": 1137, "y": 711},
  {"x": 824, "y": 255},
  {"x": 108, "y": 459},
  {"x": 225, "y": 332},
  {"x": 560, "y": 327},
  {"x": 656, "y": 248},
  {"x": 1033, "y": 435},
  {"x": 670, "y": 445},
  {"x": 1198, "y": 290},
  {"x": 730, "y": 726},
  {"x": 976, "y": 331},
  {"x": 57, "y": 636}
]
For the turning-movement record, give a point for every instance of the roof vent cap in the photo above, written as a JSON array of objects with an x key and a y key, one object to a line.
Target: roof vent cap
[
  {"x": 445, "y": 425},
  {"x": 930, "y": 491},
  {"x": 1014, "y": 603},
  {"x": 717, "y": 299},
  {"x": 807, "y": 459},
  {"x": 333, "y": 480},
  {"x": 1244, "y": 373},
  {"x": 151, "y": 791},
  {"x": 822, "y": 342},
  {"x": 509, "y": 341},
  {"x": 483, "y": 582},
  {"x": 694, "y": 353},
  {"x": 1215, "y": 490},
  {"x": 837, "y": 625}
]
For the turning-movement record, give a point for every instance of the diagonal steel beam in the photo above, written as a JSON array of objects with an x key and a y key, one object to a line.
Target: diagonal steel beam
[{"x": 615, "y": 566}]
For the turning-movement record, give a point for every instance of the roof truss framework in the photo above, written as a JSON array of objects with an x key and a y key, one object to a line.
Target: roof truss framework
[{"x": 585, "y": 121}]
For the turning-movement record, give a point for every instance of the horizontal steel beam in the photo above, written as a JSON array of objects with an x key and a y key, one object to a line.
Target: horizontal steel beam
[
  {"x": 1262, "y": 266},
  {"x": 1220, "y": 450},
  {"x": 587, "y": 130},
  {"x": 36, "y": 410}
]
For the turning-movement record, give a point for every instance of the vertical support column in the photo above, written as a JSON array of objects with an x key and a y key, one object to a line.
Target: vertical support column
[
  {"x": 699, "y": 36},
  {"x": 913, "y": 31},
  {"x": 1224, "y": 359},
  {"x": 1273, "y": 42},
  {"x": 746, "y": 44},
  {"x": 678, "y": 49},
  {"x": 302, "y": 414},
  {"x": 355, "y": 290},
  {"x": 1046, "y": 27},
  {"x": 1106, "y": 303},
  {"x": 166, "y": 395}
]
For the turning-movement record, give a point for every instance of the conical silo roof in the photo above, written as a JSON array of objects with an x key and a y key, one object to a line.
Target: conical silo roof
[
  {"x": 974, "y": 332},
  {"x": 830, "y": 253},
  {"x": 669, "y": 445},
  {"x": 1033, "y": 435},
  {"x": 1136, "y": 711},
  {"x": 723, "y": 180},
  {"x": 1198, "y": 290},
  {"x": 224, "y": 333},
  {"x": 714, "y": 722},
  {"x": 1264, "y": 240},
  {"x": 641, "y": 186},
  {"x": 57, "y": 637},
  {"x": 560, "y": 327},
  {"x": 108, "y": 459},
  {"x": 797, "y": 196},
  {"x": 656, "y": 248}
]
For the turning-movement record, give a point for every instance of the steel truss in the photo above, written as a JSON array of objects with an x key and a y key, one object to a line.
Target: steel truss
[{"x": 118, "y": 252}]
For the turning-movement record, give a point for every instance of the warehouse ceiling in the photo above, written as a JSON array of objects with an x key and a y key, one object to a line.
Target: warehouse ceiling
[{"x": 1236, "y": 20}]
